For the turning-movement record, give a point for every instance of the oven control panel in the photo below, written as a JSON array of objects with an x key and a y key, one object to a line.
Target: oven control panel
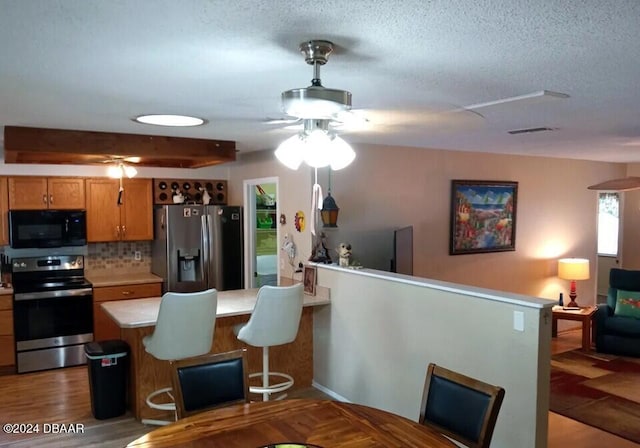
[
  {"x": 189, "y": 191},
  {"x": 48, "y": 263}
]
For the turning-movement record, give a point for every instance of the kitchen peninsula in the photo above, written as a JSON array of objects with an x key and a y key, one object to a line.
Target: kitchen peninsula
[{"x": 136, "y": 319}]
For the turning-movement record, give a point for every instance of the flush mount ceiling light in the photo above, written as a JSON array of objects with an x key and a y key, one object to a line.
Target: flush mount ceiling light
[
  {"x": 169, "y": 120},
  {"x": 317, "y": 145}
]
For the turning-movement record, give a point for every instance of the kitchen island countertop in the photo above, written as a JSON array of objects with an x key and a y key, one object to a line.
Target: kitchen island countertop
[
  {"x": 144, "y": 312},
  {"x": 102, "y": 278}
]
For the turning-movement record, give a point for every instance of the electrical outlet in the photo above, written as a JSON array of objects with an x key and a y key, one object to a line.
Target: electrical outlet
[{"x": 137, "y": 255}]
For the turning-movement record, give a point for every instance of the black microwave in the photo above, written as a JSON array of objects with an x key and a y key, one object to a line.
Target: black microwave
[{"x": 47, "y": 228}]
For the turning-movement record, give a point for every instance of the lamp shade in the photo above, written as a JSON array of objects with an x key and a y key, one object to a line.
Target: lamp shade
[
  {"x": 573, "y": 268},
  {"x": 317, "y": 149}
]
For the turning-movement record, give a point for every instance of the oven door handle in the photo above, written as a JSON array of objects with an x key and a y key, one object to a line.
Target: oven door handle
[{"x": 53, "y": 294}]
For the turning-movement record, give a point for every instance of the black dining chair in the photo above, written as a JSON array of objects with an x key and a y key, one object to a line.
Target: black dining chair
[
  {"x": 460, "y": 407},
  {"x": 210, "y": 381}
]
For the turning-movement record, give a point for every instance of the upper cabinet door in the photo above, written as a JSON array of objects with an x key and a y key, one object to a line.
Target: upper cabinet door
[
  {"x": 136, "y": 215},
  {"x": 28, "y": 193},
  {"x": 38, "y": 193},
  {"x": 66, "y": 193},
  {"x": 103, "y": 215}
]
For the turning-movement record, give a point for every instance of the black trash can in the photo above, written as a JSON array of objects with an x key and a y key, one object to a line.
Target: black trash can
[{"x": 108, "y": 363}]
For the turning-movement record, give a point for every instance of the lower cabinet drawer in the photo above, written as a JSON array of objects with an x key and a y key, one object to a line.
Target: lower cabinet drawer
[{"x": 106, "y": 293}]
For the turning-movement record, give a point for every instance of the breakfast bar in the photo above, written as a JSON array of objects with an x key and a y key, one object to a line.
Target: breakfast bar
[{"x": 136, "y": 319}]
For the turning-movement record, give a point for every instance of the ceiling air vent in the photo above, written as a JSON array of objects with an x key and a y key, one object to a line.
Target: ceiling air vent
[{"x": 529, "y": 130}]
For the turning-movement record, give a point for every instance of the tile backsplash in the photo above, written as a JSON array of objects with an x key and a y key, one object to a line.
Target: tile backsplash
[{"x": 119, "y": 256}]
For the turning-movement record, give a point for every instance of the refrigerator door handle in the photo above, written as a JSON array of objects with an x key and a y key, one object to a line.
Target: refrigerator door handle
[{"x": 206, "y": 244}]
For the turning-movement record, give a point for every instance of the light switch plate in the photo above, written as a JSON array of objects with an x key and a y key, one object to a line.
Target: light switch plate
[{"x": 518, "y": 320}]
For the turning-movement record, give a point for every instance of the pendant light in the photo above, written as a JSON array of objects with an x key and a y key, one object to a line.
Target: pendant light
[{"x": 330, "y": 209}]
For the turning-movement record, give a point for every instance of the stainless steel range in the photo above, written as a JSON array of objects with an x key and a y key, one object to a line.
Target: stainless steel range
[{"x": 52, "y": 312}]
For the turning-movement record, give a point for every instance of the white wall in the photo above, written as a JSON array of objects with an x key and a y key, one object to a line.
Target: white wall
[
  {"x": 294, "y": 194},
  {"x": 390, "y": 187},
  {"x": 373, "y": 343},
  {"x": 630, "y": 235}
]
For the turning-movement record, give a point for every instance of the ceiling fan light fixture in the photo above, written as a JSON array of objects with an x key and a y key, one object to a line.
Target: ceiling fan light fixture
[
  {"x": 129, "y": 171},
  {"x": 119, "y": 170},
  {"x": 170, "y": 120},
  {"x": 342, "y": 154},
  {"x": 114, "y": 171},
  {"x": 289, "y": 152},
  {"x": 317, "y": 146}
]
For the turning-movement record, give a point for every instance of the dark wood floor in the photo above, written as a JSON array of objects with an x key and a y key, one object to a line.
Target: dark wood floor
[{"x": 61, "y": 396}]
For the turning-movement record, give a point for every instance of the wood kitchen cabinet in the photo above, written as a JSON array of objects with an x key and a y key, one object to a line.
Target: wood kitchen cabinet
[
  {"x": 7, "y": 346},
  {"x": 39, "y": 193},
  {"x": 130, "y": 221},
  {"x": 103, "y": 326},
  {"x": 4, "y": 216}
]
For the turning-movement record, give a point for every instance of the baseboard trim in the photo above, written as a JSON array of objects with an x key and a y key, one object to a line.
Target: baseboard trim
[{"x": 329, "y": 392}]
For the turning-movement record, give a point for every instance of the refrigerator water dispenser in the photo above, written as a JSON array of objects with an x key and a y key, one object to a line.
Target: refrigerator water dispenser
[{"x": 189, "y": 265}]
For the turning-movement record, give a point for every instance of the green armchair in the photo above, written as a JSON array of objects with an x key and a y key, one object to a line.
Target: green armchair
[{"x": 617, "y": 333}]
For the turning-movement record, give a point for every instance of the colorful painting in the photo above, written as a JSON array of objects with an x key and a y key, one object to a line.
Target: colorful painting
[{"x": 483, "y": 216}]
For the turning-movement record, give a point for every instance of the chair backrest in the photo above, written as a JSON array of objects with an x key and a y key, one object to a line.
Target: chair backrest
[
  {"x": 210, "y": 381},
  {"x": 460, "y": 407},
  {"x": 624, "y": 279},
  {"x": 185, "y": 325},
  {"x": 275, "y": 318}
]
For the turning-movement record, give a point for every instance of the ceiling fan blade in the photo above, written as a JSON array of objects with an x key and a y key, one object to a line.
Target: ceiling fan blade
[
  {"x": 623, "y": 184},
  {"x": 282, "y": 120}
]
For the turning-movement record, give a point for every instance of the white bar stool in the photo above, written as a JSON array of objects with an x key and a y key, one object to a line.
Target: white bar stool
[
  {"x": 184, "y": 329},
  {"x": 274, "y": 321}
]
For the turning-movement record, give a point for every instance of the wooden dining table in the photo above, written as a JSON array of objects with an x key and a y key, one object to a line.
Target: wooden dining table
[{"x": 318, "y": 423}]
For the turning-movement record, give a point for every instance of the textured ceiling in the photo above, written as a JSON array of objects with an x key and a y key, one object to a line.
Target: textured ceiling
[{"x": 411, "y": 66}]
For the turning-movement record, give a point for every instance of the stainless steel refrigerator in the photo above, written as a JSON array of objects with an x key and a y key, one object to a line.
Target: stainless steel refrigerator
[{"x": 197, "y": 247}]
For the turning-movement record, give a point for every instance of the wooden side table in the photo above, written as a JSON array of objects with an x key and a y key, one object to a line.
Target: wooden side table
[{"x": 584, "y": 315}]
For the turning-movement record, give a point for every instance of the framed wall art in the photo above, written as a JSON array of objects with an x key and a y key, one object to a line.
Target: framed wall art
[
  {"x": 483, "y": 216},
  {"x": 309, "y": 280}
]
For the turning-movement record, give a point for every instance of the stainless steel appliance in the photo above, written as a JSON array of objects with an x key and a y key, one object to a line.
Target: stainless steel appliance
[
  {"x": 47, "y": 228},
  {"x": 197, "y": 247},
  {"x": 52, "y": 312}
]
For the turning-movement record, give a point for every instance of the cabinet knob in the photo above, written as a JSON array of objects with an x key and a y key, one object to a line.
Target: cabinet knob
[
  {"x": 44, "y": 198},
  {"x": 124, "y": 231},
  {"x": 118, "y": 231},
  {"x": 126, "y": 293},
  {"x": 50, "y": 199}
]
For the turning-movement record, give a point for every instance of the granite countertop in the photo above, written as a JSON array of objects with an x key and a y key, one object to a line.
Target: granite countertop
[
  {"x": 102, "y": 278},
  {"x": 6, "y": 290},
  {"x": 144, "y": 312}
]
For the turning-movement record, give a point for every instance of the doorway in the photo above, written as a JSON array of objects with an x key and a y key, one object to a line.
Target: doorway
[{"x": 261, "y": 210}]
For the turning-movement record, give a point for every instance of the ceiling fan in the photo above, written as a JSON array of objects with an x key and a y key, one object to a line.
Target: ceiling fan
[
  {"x": 319, "y": 107},
  {"x": 330, "y": 106}
]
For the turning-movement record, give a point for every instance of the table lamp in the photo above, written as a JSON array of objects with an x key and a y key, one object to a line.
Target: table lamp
[{"x": 573, "y": 269}]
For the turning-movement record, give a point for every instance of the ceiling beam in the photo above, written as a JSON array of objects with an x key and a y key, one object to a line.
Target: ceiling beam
[{"x": 60, "y": 146}]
